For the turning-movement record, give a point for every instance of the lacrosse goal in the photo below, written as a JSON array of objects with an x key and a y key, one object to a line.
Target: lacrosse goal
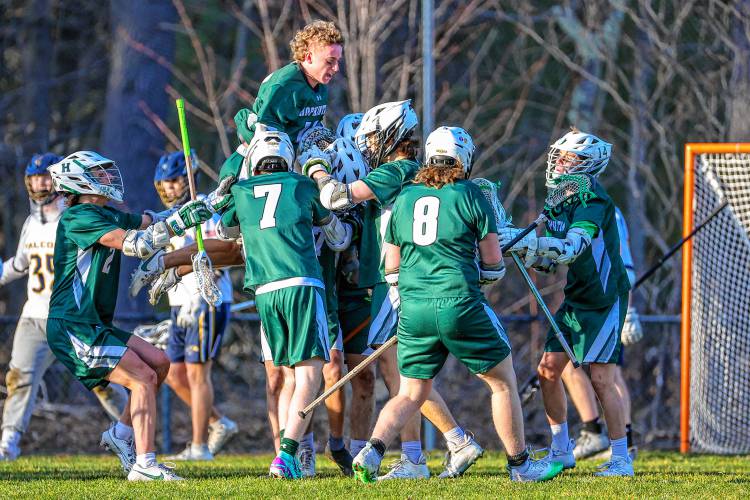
[{"x": 715, "y": 353}]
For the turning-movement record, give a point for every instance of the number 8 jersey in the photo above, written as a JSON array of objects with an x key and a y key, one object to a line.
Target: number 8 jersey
[{"x": 86, "y": 272}]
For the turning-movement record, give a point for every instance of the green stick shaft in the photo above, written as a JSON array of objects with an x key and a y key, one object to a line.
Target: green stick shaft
[{"x": 188, "y": 164}]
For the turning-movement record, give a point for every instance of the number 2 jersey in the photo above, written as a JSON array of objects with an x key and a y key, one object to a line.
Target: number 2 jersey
[
  {"x": 86, "y": 272},
  {"x": 34, "y": 256}
]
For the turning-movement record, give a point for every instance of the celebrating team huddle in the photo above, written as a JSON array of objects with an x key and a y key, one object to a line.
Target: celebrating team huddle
[{"x": 347, "y": 240}]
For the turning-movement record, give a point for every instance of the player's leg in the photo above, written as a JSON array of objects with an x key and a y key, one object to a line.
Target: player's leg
[
  {"x": 336, "y": 404},
  {"x": 622, "y": 389},
  {"x": 30, "y": 358},
  {"x": 603, "y": 380},
  {"x": 592, "y": 438},
  {"x": 274, "y": 384},
  {"x": 202, "y": 397}
]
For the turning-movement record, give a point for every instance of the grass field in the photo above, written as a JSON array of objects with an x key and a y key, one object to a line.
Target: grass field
[{"x": 658, "y": 475}]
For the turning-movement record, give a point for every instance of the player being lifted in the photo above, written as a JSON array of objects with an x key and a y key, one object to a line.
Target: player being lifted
[
  {"x": 435, "y": 229},
  {"x": 274, "y": 210},
  {"x": 196, "y": 329},
  {"x": 31, "y": 356},
  {"x": 90, "y": 239},
  {"x": 384, "y": 139},
  {"x": 582, "y": 234}
]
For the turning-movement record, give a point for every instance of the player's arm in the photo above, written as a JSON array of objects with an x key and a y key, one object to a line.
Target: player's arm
[
  {"x": 17, "y": 266},
  {"x": 392, "y": 263},
  {"x": 491, "y": 266},
  {"x": 567, "y": 250}
]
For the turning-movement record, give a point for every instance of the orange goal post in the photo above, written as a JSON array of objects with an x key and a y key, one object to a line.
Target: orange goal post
[{"x": 715, "y": 330}]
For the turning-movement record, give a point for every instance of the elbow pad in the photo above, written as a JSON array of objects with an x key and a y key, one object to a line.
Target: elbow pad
[
  {"x": 338, "y": 235},
  {"x": 227, "y": 233},
  {"x": 491, "y": 273},
  {"x": 143, "y": 244},
  {"x": 565, "y": 251}
]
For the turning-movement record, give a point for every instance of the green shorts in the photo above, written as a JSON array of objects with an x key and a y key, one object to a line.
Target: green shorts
[
  {"x": 295, "y": 324},
  {"x": 593, "y": 334},
  {"x": 430, "y": 329},
  {"x": 89, "y": 351},
  {"x": 383, "y": 314},
  {"x": 354, "y": 316}
]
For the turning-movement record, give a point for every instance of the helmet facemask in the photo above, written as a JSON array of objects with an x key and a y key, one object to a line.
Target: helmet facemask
[
  {"x": 175, "y": 196},
  {"x": 39, "y": 197}
]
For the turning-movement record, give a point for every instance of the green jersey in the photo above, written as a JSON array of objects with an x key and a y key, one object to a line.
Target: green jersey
[
  {"x": 386, "y": 182},
  {"x": 276, "y": 213},
  {"x": 232, "y": 166},
  {"x": 438, "y": 231},
  {"x": 86, "y": 272},
  {"x": 597, "y": 277}
]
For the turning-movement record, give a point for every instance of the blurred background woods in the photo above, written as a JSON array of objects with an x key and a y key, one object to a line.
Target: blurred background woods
[{"x": 646, "y": 76}]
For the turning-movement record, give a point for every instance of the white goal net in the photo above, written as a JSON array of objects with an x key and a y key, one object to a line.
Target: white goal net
[{"x": 720, "y": 306}]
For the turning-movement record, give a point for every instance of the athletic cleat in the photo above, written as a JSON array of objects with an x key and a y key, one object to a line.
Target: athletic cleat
[
  {"x": 565, "y": 457},
  {"x": 219, "y": 433},
  {"x": 616, "y": 467},
  {"x": 9, "y": 451},
  {"x": 123, "y": 448},
  {"x": 537, "y": 471},
  {"x": 306, "y": 457},
  {"x": 589, "y": 444},
  {"x": 146, "y": 272},
  {"x": 367, "y": 464},
  {"x": 461, "y": 457},
  {"x": 285, "y": 466},
  {"x": 342, "y": 458},
  {"x": 189, "y": 454},
  {"x": 162, "y": 284},
  {"x": 155, "y": 472},
  {"x": 406, "y": 469}
]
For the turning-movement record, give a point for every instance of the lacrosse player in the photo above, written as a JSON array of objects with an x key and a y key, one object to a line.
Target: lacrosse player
[
  {"x": 196, "y": 329},
  {"x": 437, "y": 225},
  {"x": 582, "y": 234},
  {"x": 90, "y": 240},
  {"x": 384, "y": 139},
  {"x": 274, "y": 210},
  {"x": 592, "y": 438},
  {"x": 294, "y": 98},
  {"x": 31, "y": 356}
]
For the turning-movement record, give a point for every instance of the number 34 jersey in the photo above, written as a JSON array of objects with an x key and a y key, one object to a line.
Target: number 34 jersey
[
  {"x": 86, "y": 272},
  {"x": 438, "y": 231},
  {"x": 36, "y": 248}
]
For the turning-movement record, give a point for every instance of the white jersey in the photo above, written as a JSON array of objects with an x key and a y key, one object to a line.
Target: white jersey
[
  {"x": 188, "y": 285},
  {"x": 34, "y": 257},
  {"x": 627, "y": 257}
]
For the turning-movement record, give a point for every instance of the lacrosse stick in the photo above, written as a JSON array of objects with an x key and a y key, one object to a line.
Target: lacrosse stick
[
  {"x": 346, "y": 378},
  {"x": 489, "y": 190},
  {"x": 201, "y": 262}
]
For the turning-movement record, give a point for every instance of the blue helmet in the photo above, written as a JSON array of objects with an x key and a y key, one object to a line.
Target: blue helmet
[
  {"x": 172, "y": 166},
  {"x": 38, "y": 166}
]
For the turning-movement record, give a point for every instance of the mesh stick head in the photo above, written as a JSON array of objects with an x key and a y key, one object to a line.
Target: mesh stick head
[
  {"x": 321, "y": 137},
  {"x": 204, "y": 274},
  {"x": 569, "y": 188},
  {"x": 489, "y": 190}
]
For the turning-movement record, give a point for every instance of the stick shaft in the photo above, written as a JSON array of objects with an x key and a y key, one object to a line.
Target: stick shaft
[
  {"x": 189, "y": 164},
  {"x": 545, "y": 309},
  {"x": 346, "y": 378},
  {"x": 520, "y": 236}
]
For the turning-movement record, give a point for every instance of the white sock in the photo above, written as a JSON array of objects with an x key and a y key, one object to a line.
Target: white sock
[
  {"x": 201, "y": 449},
  {"x": 356, "y": 445},
  {"x": 309, "y": 440},
  {"x": 146, "y": 460},
  {"x": 412, "y": 450},
  {"x": 560, "y": 439},
  {"x": 123, "y": 431},
  {"x": 619, "y": 447},
  {"x": 454, "y": 437}
]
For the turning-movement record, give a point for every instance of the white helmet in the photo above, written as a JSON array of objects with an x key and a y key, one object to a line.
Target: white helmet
[
  {"x": 347, "y": 127},
  {"x": 270, "y": 151},
  {"x": 591, "y": 156},
  {"x": 447, "y": 145},
  {"x": 347, "y": 163},
  {"x": 391, "y": 123},
  {"x": 88, "y": 172}
]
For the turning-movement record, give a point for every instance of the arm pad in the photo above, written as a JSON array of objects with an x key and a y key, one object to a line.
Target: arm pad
[
  {"x": 8, "y": 272},
  {"x": 491, "y": 273},
  {"x": 565, "y": 251},
  {"x": 143, "y": 244},
  {"x": 227, "y": 232},
  {"x": 338, "y": 235},
  {"x": 391, "y": 276}
]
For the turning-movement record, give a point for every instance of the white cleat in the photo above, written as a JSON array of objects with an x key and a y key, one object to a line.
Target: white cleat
[
  {"x": 460, "y": 457},
  {"x": 219, "y": 433},
  {"x": 123, "y": 448},
  {"x": 565, "y": 457},
  {"x": 616, "y": 467},
  {"x": 191, "y": 454},
  {"x": 146, "y": 272},
  {"x": 162, "y": 284},
  {"x": 9, "y": 452},
  {"x": 367, "y": 464},
  {"x": 589, "y": 444},
  {"x": 406, "y": 469},
  {"x": 535, "y": 471},
  {"x": 306, "y": 457},
  {"x": 155, "y": 472}
]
